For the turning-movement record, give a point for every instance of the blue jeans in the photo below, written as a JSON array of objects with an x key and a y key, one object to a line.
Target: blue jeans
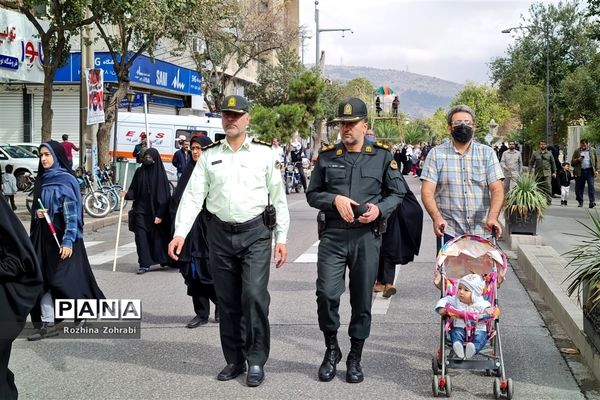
[
  {"x": 460, "y": 334},
  {"x": 587, "y": 176}
]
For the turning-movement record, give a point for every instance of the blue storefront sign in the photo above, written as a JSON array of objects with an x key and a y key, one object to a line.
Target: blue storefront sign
[{"x": 144, "y": 70}]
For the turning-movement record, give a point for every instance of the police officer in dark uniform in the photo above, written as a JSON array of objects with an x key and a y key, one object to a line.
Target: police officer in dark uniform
[
  {"x": 240, "y": 180},
  {"x": 356, "y": 186}
]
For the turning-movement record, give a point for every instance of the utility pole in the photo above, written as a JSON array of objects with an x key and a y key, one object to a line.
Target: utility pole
[
  {"x": 87, "y": 136},
  {"x": 318, "y": 31}
]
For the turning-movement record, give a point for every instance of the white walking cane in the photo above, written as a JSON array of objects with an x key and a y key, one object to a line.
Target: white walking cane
[{"x": 120, "y": 217}]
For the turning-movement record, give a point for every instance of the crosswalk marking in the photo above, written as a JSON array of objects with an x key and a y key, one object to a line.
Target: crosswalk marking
[
  {"x": 92, "y": 243},
  {"x": 108, "y": 255},
  {"x": 380, "y": 304},
  {"x": 310, "y": 255}
]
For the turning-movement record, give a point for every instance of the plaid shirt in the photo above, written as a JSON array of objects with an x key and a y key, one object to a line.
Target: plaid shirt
[{"x": 461, "y": 193}]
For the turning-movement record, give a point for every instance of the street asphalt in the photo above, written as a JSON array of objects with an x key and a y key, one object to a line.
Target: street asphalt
[{"x": 173, "y": 362}]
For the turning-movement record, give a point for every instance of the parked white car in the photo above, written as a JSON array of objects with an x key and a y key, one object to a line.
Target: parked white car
[
  {"x": 34, "y": 148},
  {"x": 22, "y": 161}
]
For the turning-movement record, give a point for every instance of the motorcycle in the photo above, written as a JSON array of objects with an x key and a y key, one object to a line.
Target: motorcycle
[{"x": 292, "y": 178}]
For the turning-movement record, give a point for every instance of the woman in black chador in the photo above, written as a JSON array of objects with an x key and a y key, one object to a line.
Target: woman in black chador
[
  {"x": 150, "y": 192},
  {"x": 193, "y": 259},
  {"x": 20, "y": 287},
  {"x": 65, "y": 265}
]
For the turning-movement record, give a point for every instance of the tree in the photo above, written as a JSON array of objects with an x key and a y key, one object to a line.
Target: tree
[
  {"x": 247, "y": 32},
  {"x": 387, "y": 129},
  {"x": 65, "y": 19},
  {"x": 417, "y": 131},
  {"x": 361, "y": 88},
  {"x": 279, "y": 122},
  {"x": 557, "y": 32},
  {"x": 485, "y": 102},
  {"x": 130, "y": 28},
  {"x": 273, "y": 81},
  {"x": 438, "y": 125},
  {"x": 594, "y": 13}
]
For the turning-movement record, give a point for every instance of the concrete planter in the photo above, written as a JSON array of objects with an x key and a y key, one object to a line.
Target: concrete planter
[
  {"x": 591, "y": 319},
  {"x": 522, "y": 226}
]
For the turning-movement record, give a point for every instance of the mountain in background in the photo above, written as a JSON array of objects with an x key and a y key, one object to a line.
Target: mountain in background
[{"x": 420, "y": 95}]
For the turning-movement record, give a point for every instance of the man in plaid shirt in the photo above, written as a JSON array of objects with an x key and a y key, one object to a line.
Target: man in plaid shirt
[{"x": 462, "y": 188}]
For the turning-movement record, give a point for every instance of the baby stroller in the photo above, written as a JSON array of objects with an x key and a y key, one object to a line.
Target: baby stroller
[{"x": 471, "y": 254}]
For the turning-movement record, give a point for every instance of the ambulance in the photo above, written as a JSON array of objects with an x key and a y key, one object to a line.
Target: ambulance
[{"x": 163, "y": 133}]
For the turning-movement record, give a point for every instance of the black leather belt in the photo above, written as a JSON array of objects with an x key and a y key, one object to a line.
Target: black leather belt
[
  {"x": 233, "y": 227},
  {"x": 341, "y": 224}
]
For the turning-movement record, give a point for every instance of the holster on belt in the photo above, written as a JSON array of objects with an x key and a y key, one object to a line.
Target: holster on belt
[
  {"x": 270, "y": 215},
  {"x": 321, "y": 224}
]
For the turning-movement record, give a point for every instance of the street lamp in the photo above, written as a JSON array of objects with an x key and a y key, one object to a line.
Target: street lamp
[
  {"x": 318, "y": 31},
  {"x": 547, "y": 48}
]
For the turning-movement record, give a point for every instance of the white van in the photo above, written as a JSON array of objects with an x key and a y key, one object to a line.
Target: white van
[{"x": 163, "y": 133}]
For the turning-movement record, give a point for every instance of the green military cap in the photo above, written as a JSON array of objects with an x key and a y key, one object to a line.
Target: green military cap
[
  {"x": 236, "y": 104},
  {"x": 352, "y": 109}
]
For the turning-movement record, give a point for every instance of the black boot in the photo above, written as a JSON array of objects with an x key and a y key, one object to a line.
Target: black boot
[
  {"x": 333, "y": 355},
  {"x": 354, "y": 372}
]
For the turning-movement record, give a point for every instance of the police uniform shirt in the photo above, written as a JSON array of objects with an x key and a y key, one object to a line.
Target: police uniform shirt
[
  {"x": 368, "y": 176},
  {"x": 235, "y": 185}
]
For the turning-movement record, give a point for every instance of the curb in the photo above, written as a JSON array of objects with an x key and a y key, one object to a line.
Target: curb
[{"x": 541, "y": 262}]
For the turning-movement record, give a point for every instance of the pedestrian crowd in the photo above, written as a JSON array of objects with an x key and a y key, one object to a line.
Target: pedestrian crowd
[{"x": 228, "y": 219}]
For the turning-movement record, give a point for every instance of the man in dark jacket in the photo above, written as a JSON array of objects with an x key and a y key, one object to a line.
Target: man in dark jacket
[{"x": 182, "y": 157}]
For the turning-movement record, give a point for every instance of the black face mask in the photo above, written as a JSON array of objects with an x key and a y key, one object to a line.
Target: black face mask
[
  {"x": 147, "y": 162},
  {"x": 462, "y": 133}
]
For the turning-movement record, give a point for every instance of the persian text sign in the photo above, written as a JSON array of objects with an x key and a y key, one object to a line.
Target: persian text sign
[{"x": 21, "y": 55}]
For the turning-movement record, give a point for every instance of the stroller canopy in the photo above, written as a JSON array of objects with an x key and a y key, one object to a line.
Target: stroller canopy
[{"x": 470, "y": 254}]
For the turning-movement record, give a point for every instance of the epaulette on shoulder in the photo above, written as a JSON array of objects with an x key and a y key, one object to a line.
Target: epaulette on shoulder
[
  {"x": 327, "y": 148},
  {"x": 254, "y": 140},
  {"x": 213, "y": 144},
  {"x": 381, "y": 145}
]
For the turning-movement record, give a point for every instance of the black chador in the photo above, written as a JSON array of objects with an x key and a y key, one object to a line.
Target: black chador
[
  {"x": 150, "y": 192},
  {"x": 193, "y": 259},
  {"x": 20, "y": 287}
]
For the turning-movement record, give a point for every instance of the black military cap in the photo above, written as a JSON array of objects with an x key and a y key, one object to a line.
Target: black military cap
[
  {"x": 352, "y": 109},
  {"x": 236, "y": 104}
]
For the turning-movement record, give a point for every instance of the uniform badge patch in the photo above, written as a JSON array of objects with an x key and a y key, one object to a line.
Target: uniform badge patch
[
  {"x": 348, "y": 109},
  {"x": 339, "y": 152},
  {"x": 368, "y": 149},
  {"x": 231, "y": 102},
  {"x": 394, "y": 164}
]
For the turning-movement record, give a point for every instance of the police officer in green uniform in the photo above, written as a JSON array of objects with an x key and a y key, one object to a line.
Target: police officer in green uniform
[
  {"x": 543, "y": 165},
  {"x": 356, "y": 186},
  {"x": 241, "y": 183}
]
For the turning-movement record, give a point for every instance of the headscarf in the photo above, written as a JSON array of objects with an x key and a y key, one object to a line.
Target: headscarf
[
  {"x": 18, "y": 290},
  {"x": 153, "y": 181},
  {"x": 56, "y": 184},
  {"x": 185, "y": 176}
]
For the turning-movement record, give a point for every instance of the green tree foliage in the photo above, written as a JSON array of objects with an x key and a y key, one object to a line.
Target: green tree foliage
[
  {"x": 130, "y": 28},
  {"x": 333, "y": 93},
  {"x": 594, "y": 15},
  {"x": 559, "y": 32},
  {"x": 65, "y": 19},
  {"x": 439, "y": 126},
  {"x": 359, "y": 87},
  {"x": 417, "y": 131},
  {"x": 387, "y": 129},
  {"x": 243, "y": 32},
  {"x": 273, "y": 81},
  {"x": 485, "y": 102},
  {"x": 277, "y": 122}
]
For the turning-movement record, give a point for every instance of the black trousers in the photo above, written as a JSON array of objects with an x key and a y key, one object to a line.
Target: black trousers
[
  {"x": 8, "y": 390},
  {"x": 386, "y": 272},
  {"x": 201, "y": 295},
  {"x": 357, "y": 250},
  {"x": 240, "y": 265}
]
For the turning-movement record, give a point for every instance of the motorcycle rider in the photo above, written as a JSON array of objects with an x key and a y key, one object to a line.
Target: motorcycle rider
[{"x": 296, "y": 155}]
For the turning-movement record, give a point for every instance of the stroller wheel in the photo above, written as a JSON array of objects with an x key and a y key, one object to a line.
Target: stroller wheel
[
  {"x": 498, "y": 372},
  {"x": 434, "y": 365},
  {"x": 509, "y": 389},
  {"x": 497, "y": 390},
  {"x": 448, "y": 386},
  {"x": 435, "y": 386}
]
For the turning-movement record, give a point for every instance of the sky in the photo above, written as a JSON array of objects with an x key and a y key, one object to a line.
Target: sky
[{"x": 452, "y": 40}]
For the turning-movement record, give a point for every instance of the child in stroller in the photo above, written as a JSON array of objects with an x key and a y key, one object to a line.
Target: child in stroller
[
  {"x": 477, "y": 264},
  {"x": 468, "y": 297}
]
